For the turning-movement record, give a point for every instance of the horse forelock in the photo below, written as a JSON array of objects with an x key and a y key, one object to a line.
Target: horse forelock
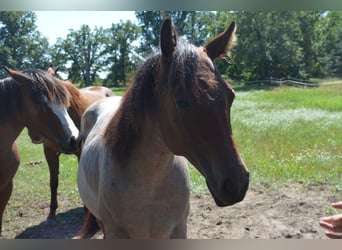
[
  {"x": 52, "y": 88},
  {"x": 191, "y": 73}
]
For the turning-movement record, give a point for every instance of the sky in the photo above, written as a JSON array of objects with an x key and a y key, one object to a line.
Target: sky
[{"x": 54, "y": 24}]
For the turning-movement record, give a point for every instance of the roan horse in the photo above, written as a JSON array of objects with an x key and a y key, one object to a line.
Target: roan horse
[
  {"x": 38, "y": 101},
  {"x": 132, "y": 176},
  {"x": 80, "y": 100}
]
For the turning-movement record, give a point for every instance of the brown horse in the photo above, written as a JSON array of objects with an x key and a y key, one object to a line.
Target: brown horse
[
  {"x": 132, "y": 175},
  {"x": 38, "y": 101},
  {"x": 80, "y": 100}
]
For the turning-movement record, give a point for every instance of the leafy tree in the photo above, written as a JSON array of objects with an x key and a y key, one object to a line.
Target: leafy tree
[
  {"x": 58, "y": 56},
  {"x": 22, "y": 46},
  {"x": 329, "y": 32},
  {"x": 199, "y": 26},
  {"x": 270, "y": 44},
  {"x": 308, "y": 21},
  {"x": 85, "y": 50},
  {"x": 150, "y": 21},
  {"x": 336, "y": 58},
  {"x": 120, "y": 49}
]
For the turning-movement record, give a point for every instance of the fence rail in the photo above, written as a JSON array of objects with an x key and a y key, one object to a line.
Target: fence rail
[{"x": 289, "y": 81}]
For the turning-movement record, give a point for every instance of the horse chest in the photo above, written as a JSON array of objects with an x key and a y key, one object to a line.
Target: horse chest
[
  {"x": 145, "y": 209},
  {"x": 141, "y": 212}
]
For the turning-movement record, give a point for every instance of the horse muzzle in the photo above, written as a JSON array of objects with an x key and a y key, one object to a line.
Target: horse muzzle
[
  {"x": 229, "y": 192},
  {"x": 70, "y": 147}
]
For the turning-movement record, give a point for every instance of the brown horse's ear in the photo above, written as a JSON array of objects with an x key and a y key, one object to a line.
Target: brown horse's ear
[
  {"x": 168, "y": 38},
  {"x": 18, "y": 76},
  {"x": 220, "y": 45}
]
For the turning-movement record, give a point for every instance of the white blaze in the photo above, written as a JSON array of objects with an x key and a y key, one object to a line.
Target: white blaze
[{"x": 65, "y": 119}]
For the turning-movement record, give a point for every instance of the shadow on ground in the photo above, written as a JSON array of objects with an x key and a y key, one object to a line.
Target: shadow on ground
[{"x": 65, "y": 226}]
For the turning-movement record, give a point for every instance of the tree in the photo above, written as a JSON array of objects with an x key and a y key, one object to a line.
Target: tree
[
  {"x": 336, "y": 58},
  {"x": 121, "y": 39},
  {"x": 22, "y": 46},
  {"x": 329, "y": 31},
  {"x": 150, "y": 22},
  {"x": 268, "y": 44},
  {"x": 308, "y": 21},
  {"x": 85, "y": 50}
]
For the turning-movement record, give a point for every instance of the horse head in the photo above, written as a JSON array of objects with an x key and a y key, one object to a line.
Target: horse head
[
  {"x": 45, "y": 101},
  {"x": 194, "y": 104}
]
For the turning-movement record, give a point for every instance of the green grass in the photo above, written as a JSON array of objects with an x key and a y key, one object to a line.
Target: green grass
[
  {"x": 327, "y": 97},
  {"x": 289, "y": 134},
  {"x": 119, "y": 90}
]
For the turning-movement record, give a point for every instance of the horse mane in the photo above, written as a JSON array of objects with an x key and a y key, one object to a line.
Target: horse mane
[
  {"x": 78, "y": 103},
  {"x": 10, "y": 101},
  {"x": 123, "y": 130}
]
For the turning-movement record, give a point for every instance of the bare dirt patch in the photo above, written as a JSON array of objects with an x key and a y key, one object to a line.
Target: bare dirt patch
[{"x": 286, "y": 213}]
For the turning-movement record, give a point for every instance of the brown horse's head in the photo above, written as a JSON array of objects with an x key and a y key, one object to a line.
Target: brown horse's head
[
  {"x": 45, "y": 101},
  {"x": 194, "y": 104}
]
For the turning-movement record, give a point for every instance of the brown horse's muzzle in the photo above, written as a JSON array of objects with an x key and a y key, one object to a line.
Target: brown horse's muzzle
[
  {"x": 70, "y": 147},
  {"x": 229, "y": 191}
]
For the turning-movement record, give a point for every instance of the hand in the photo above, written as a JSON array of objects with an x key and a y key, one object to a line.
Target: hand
[{"x": 333, "y": 223}]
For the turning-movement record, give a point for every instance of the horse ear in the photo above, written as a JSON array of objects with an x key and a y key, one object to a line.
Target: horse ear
[
  {"x": 18, "y": 76},
  {"x": 168, "y": 38},
  {"x": 220, "y": 45}
]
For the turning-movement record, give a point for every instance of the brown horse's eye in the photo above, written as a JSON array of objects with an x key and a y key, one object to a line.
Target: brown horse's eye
[{"x": 182, "y": 103}]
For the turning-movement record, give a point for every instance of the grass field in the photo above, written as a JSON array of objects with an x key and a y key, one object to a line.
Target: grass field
[{"x": 284, "y": 134}]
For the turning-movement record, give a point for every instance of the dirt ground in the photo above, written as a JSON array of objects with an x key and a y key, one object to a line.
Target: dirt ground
[{"x": 286, "y": 213}]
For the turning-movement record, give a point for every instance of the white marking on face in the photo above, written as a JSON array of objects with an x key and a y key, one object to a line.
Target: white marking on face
[{"x": 65, "y": 119}]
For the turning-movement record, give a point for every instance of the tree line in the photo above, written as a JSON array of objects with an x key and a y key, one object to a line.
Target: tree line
[{"x": 299, "y": 44}]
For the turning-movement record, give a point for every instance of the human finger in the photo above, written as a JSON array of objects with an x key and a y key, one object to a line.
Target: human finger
[
  {"x": 331, "y": 223},
  {"x": 326, "y": 223},
  {"x": 333, "y": 235},
  {"x": 337, "y": 205}
]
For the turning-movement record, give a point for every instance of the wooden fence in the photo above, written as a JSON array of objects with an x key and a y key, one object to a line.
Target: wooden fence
[{"x": 289, "y": 81}]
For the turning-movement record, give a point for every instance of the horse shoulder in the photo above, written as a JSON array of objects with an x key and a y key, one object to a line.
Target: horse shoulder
[{"x": 94, "y": 155}]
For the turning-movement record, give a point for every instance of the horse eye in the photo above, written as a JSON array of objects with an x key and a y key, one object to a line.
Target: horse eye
[{"x": 182, "y": 103}]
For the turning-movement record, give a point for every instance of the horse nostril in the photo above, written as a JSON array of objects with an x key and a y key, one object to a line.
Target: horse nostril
[{"x": 73, "y": 141}]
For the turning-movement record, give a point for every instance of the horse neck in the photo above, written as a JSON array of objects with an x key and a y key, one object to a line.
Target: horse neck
[
  {"x": 150, "y": 156},
  {"x": 9, "y": 132},
  {"x": 12, "y": 117}
]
